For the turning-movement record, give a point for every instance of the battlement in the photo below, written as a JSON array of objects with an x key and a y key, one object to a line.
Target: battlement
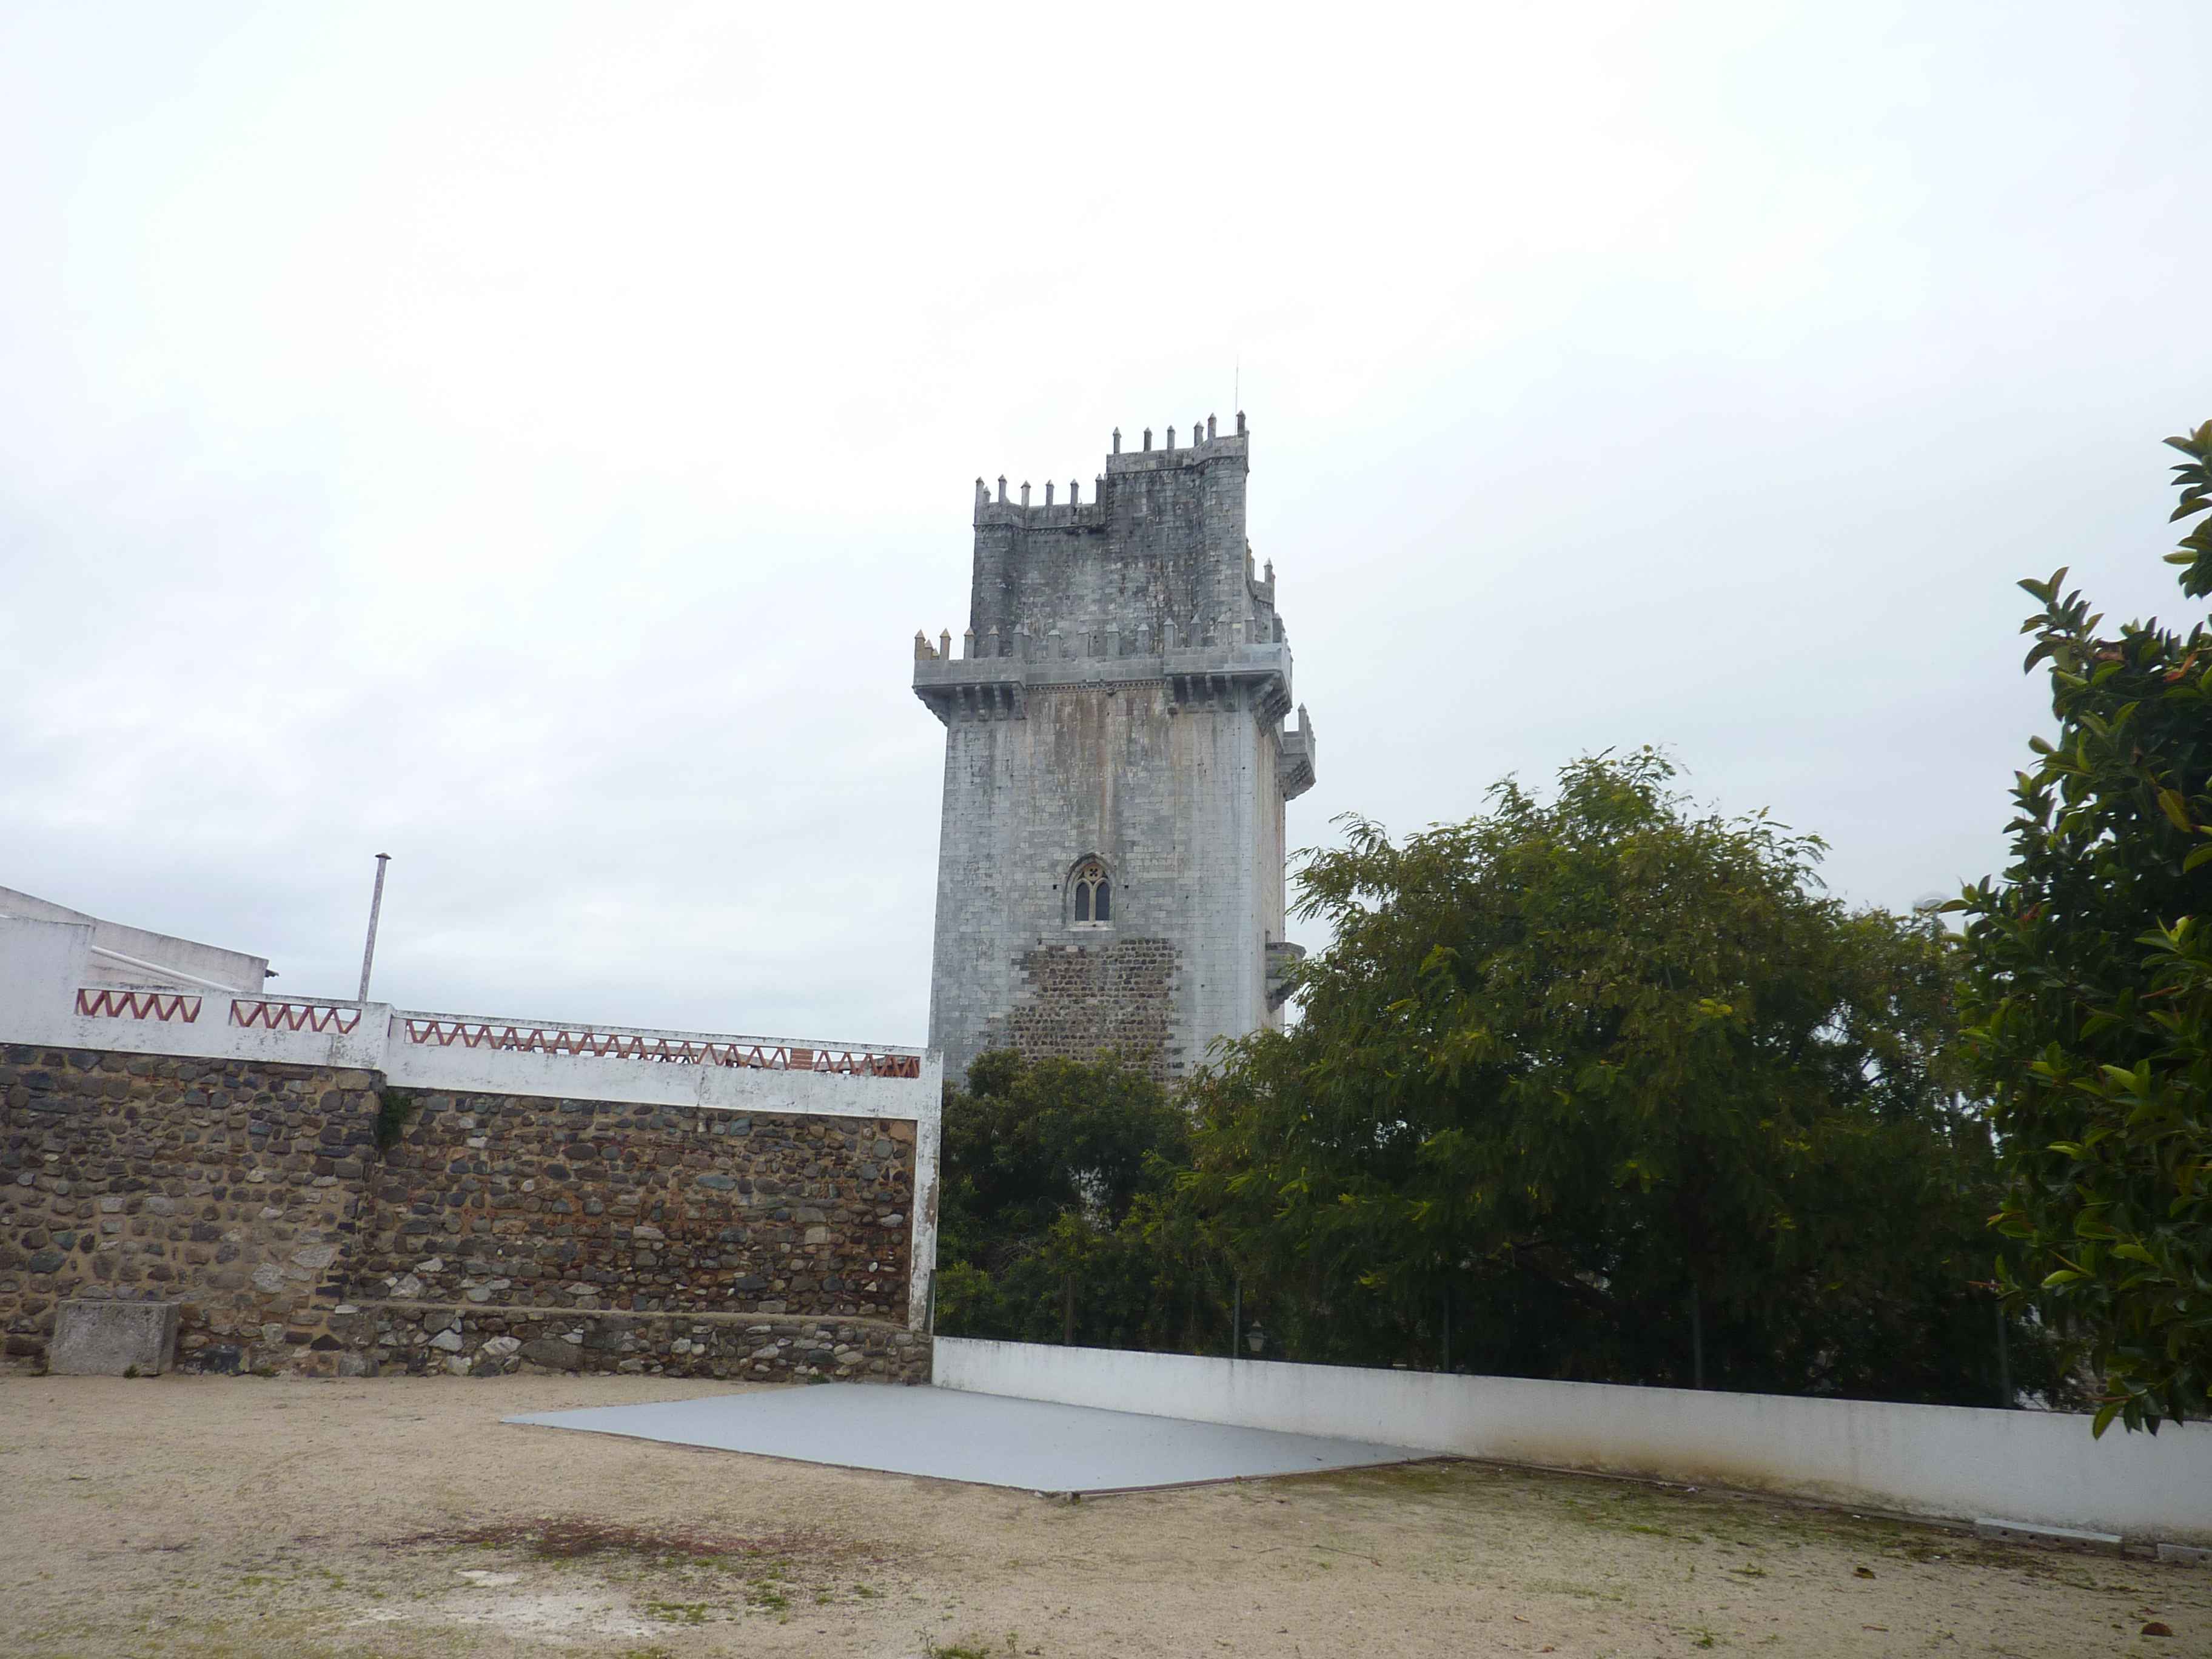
[
  {"x": 1022, "y": 508},
  {"x": 1207, "y": 445},
  {"x": 1208, "y": 673},
  {"x": 1155, "y": 544},
  {"x": 1092, "y": 637},
  {"x": 1070, "y": 514},
  {"x": 1296, "y": 756}
]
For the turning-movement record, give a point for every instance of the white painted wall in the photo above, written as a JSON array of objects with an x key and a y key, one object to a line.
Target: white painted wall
[
  {"x": 134, "y": 956},
  {"x": 40, "y": 962},
  {"x": 1951, "y": 1461},
  {"x": 590, "y": 1077},
  {"x": 43, "y": 963}
]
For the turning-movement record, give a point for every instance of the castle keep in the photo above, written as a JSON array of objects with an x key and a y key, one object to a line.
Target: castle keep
[{"x": 1116, "y": 762}]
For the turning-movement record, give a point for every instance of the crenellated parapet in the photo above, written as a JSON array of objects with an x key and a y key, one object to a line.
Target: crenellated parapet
[
  {"x": 1070, "y": 512},
  {"x": 1208, "y": 676},
  {"x": 1020, "y": 507},
  {"x": 1102, "y": 637},
  {"x": 1155, "y": 541},
  {"x": 1294, "y": 756},
  {"x": 1206, "y": 446}
]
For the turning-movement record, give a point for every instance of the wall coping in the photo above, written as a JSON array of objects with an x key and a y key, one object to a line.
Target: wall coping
[{"x": 46, "y": 997}]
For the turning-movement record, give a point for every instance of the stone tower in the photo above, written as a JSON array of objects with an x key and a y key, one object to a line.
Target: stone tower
[{"x": 1110, "y": 869}]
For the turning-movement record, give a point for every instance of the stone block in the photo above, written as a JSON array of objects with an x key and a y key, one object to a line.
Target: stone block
[
  {"x": 555, "y": 1355},
  {"x": 107, "y": 1338},
  {"x": 2030, "y": 1532}
]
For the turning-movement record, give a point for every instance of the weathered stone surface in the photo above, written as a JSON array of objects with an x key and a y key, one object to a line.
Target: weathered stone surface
[
  {"x": 1073, "y": 1000},
  {"x": 181, "y": 1177},
  {"x": 487, "y": 1227},
  {"x": 1121, "y": 698},
  {"x": 667, "y": 1214},
  {"x": 554, "y": 1353},
  {"x": 731, "y": 1346},
  {"x": 111, "y": 1339}
]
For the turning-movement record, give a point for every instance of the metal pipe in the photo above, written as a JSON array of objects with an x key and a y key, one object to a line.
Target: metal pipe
[
  {"x": 375, "y": 907},
  {"x": 2004, "y": 1361},
  {"x": 169, "y": 973},
  {"x": 156, "y": 967},
  {"x": 1697, "y": 1340}
]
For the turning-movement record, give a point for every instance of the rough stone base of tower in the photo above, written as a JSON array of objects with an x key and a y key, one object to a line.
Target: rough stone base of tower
[{"x": 1075, "y": 1001}]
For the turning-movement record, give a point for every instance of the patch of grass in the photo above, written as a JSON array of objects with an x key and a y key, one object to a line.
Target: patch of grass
[
  {"x": 677, "y": 1612},
  {"x": 1568, "y": 1587},
  {"x": 762, "y": 1593},
  {"x": 568, "y": 1538}
]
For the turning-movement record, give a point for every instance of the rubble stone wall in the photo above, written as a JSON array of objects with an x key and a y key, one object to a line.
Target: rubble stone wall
[
  {"x": 1076, "y": 1000},
  {"x": 510, "y": 1200},
  {"x": 229, "y": 1186},
  {"x": 500, "y": 1232},
  {"x": 473, "y": 1341}
]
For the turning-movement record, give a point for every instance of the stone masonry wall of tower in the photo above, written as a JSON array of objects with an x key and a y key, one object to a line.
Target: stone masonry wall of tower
[{"x": 1114, "y": 741}]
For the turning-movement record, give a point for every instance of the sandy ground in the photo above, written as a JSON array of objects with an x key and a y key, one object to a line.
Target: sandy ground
[{"x": 209, "y": 1516}]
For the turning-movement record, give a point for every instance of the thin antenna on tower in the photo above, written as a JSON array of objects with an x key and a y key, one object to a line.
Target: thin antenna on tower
[{"x": 1237, "y": 396}]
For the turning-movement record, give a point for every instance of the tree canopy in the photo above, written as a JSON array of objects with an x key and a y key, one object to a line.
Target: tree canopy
[
  {"x": 1051, "y": 1226},
  {"x": 2090, "y": 996},
  {"x": 1604, "y": 1087}
]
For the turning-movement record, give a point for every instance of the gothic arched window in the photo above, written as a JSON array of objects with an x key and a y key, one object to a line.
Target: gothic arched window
[{"x": 1091, "y": 891}]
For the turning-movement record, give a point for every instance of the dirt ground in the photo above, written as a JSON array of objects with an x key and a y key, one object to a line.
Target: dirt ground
[{"x": 205, "y": 1516}]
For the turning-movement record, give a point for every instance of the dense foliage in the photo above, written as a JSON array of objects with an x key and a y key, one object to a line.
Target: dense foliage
[
  {"x": 1605, "y": 1089},
  {"x": 1052, "y": 1227},
  {"x": 2091, "y": 991}
]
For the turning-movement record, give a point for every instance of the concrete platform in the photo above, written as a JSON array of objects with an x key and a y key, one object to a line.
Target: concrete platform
[{"x": 984, "y": 1439}]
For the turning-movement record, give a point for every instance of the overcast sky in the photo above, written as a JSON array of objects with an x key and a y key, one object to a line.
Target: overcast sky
[{"x": 525, "y": 439}]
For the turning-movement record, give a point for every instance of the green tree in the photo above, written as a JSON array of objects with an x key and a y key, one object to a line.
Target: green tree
[
  {"x": 2091, "y": 994},
  {"x": 1604, "y": 1088},
  {"x": 1051, "y": 1227}
]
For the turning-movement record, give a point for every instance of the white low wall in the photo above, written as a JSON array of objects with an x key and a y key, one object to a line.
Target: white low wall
[{"x": 1952, "y": 1461}]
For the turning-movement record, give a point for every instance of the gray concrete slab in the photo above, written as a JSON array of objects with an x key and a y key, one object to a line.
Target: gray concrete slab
[{"x": 984, "y": 1439}]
